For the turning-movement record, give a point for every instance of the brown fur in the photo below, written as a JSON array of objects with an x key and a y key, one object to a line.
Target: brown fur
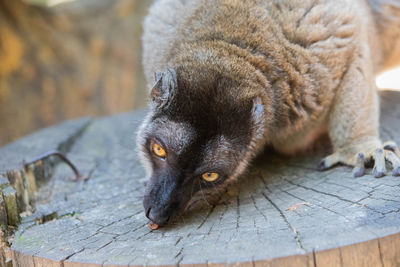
[{"x": 311, "y": 62}]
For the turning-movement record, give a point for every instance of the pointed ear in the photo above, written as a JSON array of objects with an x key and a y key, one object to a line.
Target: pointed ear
[
  {"x": 162, "y": 92},
  {"x": 157, "y": 76}
]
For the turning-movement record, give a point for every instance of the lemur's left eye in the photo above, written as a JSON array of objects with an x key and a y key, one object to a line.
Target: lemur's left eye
[
  {"x": 210, "y": 176},
  {"x": 159, "y": 151}
]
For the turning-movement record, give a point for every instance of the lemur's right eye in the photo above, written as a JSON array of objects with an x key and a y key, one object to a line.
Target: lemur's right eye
[
  {"x": 210, "y": 176},
  {"x": 159, "y": 151}
]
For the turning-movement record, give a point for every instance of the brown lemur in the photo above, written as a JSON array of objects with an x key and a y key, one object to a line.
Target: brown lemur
[{"x": 232, "y": 76}]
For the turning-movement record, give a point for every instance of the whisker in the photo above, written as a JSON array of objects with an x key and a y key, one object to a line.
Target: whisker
[{"x": 202, "y": 193}]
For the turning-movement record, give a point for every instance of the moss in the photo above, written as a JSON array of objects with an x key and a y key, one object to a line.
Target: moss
[{"x": 24, "y": 241}]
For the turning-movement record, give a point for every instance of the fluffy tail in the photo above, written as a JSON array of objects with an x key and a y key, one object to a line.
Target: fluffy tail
[{"x": 387, "y": 20}]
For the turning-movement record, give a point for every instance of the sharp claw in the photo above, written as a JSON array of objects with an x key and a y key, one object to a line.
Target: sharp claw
[
  {"x": 389, "y": 146},
  {"x": 395, "y": 161},
  {"x": 359, "y": 169},
  {"x": 379, "y": 168},
  {"x": 389, "y": 153},
  {"x": 378, "y": 173},
  {"x": 392, "y": 146},
  {"x": 358, "y": 172}
]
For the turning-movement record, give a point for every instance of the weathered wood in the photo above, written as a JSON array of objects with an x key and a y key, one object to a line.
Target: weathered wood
[
  {"x": 389, "y": 248},
  {"x": 24, "y": 180},
  {"x": 10, "y": 199},
  {"x": 18, "y": 183},
  {"x": 369, "y": 251},
  {"x": 282, "y": 213},
  {"x": 328, "y": 258},
  {"x": 3, "y": 212}
]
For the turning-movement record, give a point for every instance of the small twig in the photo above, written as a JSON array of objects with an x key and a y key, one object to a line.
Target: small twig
[{"x": 78, "y": 175}]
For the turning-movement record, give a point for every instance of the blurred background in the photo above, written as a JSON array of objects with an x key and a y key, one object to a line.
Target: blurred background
[
  {"x": 62, "y": 59},
  {"x": 65, "y": 59}
]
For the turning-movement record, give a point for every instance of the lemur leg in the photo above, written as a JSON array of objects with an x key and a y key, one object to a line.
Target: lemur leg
[{"x": 354, "y": 125}]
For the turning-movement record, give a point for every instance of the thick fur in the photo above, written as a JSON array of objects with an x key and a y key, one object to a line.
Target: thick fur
[{"x": 309, "y": 64}]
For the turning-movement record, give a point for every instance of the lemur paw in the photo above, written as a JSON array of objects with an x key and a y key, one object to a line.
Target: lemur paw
[{"x": 389, "y": 152}]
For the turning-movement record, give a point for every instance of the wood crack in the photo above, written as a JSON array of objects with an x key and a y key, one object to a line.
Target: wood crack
[
  {"x": 255, "y": 205},
  {"x": 205, "y": 219},
  {"x": 316, "y": 204},
  {"x": 71, "y": 255},
  {"x": 296, "y": 237},
  {"x": 268, "y": 219},
  {"x": 380, "y": 253},
  {"x": 332, "y": 195}
]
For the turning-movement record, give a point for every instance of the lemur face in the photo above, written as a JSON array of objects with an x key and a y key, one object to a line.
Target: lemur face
[{"x": 196, "y": 138}]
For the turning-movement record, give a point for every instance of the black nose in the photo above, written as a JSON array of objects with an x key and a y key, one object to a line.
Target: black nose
[
  {"x": 162, "y": 199},
  {"x": 158, "y": 217}
]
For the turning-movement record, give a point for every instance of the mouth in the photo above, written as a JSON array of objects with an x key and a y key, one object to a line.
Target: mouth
[
  {"x": 153, "y": 226},
  {"x": 155, "y": 222},
  {"x": 163, "y": 209}
]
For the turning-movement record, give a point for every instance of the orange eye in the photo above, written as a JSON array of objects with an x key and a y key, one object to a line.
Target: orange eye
[
  {"x": 210, "y": 176},
  {"x": 159, "y": 151}
]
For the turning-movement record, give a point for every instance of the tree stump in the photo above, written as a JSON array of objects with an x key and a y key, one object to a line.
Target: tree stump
[{"x": 283, "y": 212}]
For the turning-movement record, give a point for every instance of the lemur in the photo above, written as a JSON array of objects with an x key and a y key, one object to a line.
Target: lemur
[{"x": 229, "y": 77}]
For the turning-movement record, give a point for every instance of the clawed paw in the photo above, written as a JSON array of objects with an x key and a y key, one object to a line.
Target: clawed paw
[{"x": 389, "y": 152}]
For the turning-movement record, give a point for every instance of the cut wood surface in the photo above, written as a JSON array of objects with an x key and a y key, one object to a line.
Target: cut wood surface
[{"x": 283, "y": 212}]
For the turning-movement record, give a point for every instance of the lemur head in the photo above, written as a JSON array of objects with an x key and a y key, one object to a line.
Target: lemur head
[{"x": 199, "y": 134}]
